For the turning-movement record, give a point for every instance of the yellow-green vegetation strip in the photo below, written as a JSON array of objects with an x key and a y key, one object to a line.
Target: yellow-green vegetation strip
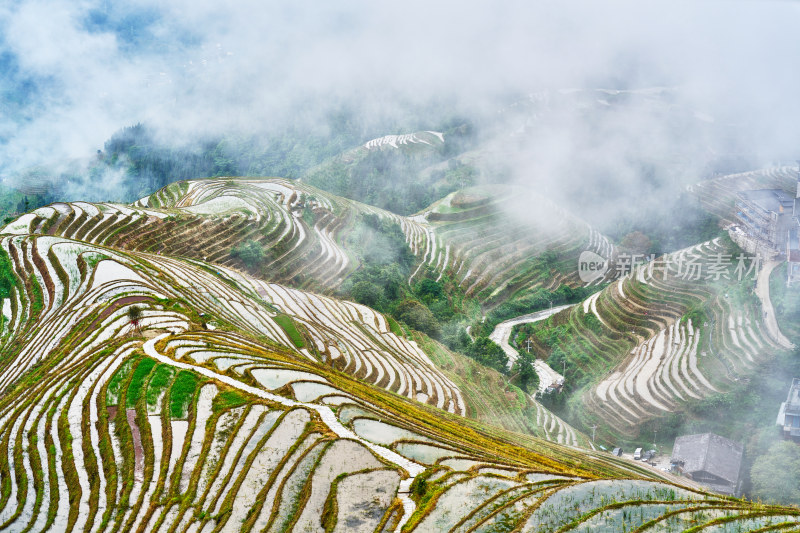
[
  {"x": 228, "y": 399},
  {"x": 115, "y": 383},
  {"x": 773, "y": 527},
  {"x": 138, "y": 380},
  {"x": 628, "y": 503},
  {"x": 288, "y": 326},
  {"x": 182, "y": 392},
  {"x": 159, "y": 380},
  {"x": 394, "y": 326},
  {"x": 743, "y": 516}
]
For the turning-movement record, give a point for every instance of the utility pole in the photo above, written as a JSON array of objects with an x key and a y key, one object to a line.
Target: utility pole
[
  {"x": 594, "y": 428},
  {"x": 654, "y": 438}
]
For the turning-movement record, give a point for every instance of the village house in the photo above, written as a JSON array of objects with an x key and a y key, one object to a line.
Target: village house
[
  {"x": 788, "y": 421},
  {"x": 711, "y": 460}
]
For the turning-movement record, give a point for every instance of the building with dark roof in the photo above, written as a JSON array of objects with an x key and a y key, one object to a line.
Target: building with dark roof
[
  {"x": 788, "y": 421},
  {"x": 710, "y": 460}
]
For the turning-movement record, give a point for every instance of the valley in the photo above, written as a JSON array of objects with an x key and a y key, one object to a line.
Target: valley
[{"x": 157, "y": 375}]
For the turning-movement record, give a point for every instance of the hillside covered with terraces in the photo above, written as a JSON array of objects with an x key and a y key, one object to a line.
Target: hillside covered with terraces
[
  {"x": 156, "y": 377},
  {"x": 261, "y": 354}
]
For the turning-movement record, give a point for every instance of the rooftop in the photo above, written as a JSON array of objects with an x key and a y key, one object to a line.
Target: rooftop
[
  {"x": 769, "y": 199},
  {"x": 793, "y": 398},
  {"x": 710, "y": 453}
]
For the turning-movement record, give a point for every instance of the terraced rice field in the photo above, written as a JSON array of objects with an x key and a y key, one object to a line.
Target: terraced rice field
[
  {"x": 430, "y": 138},
  {"x": 661, "y": 357},
  {"x": 205, "y": 219},
  {"x": 495, "y": 243},
  {"x": 556, "y": 430},
  {"x": 344, "y": 335},
  {"x": 236, "y": 404},
  {"x": 718, "y": 195},
  {"x": 185, "y": 424}
]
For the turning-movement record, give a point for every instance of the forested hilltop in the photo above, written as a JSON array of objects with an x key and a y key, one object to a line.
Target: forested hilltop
[{"x": 138, "y": 159}]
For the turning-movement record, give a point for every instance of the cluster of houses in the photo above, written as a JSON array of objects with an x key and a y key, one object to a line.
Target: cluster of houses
[{"x": 769, "y": 225}]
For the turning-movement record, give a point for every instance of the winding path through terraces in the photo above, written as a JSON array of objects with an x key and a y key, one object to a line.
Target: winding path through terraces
[
  {"x": 324, "y": 412},
  {"x": 762, "y": 291},
  {"x": 502, "y": 332}
]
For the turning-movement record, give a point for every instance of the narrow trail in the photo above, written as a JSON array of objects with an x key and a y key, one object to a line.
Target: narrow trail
[
  {"x": 762, "y": 291},
  {"x": 325, "y": 413},
  {"x": 502, "y": 332}
]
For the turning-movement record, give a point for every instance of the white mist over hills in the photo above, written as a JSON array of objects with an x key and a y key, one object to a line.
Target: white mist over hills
[{"x": 75, "y": 72}]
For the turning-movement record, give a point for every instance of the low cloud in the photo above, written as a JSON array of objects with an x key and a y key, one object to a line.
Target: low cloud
[{"x": 78, "y": 71}]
